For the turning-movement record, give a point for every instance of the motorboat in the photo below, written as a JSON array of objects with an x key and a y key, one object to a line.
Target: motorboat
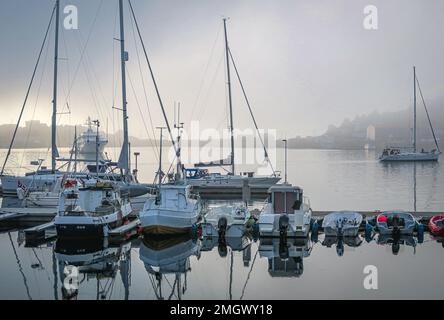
[
  {"x": 396, "y": 222},
  {"x": 91, "y": 142},
  {"x": 436, "y": 225},
  {"x": 174, "y": 210},
  {"x": 100, "y": 206},
  {"x": 50, "y": 198},
  {"x": 227, "y": 221},
  {"x": 342, "y": 223},
  {"x": 286, "y": 213}
]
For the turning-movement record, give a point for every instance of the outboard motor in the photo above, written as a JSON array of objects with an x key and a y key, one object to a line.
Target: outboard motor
[
  {"x": 397, "y": 223},
  {"x": 222, "y": 226},
  {"x": 283, "y": 250},
  {"x": 283, "y": 225}
]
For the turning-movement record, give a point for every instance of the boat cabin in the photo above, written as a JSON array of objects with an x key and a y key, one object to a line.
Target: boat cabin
[
  {"x": 175, "y": 196},
  {"x": 285, "y": 198},
  {"x": 391, "y": 151}
]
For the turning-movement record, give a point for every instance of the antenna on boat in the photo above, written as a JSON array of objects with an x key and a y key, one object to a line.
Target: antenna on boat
[
  {"x": 159, "y": 171},
  {"x": 230, "y": 102},
  {"x": 285, "y": 167},
  {"x": 179, "y": 126},
  {"x": 414, "y": 109},
  {"x": 97, "y": 123},
  {"x": 54, "y": 151}
]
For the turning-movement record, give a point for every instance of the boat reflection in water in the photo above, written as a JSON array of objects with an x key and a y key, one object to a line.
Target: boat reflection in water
[
  {"x": 341, "y": 242},
  {"x": 397, "y": 242},
  {"x": 80, "y": 262},
  {"x": 168, "y": 258},
  {"x": 285, "y": 258}
]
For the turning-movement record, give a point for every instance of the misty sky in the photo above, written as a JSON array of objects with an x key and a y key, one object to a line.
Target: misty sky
[{"x": 305, "y": 63}]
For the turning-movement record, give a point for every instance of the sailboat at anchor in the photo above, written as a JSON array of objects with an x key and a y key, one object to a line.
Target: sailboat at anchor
[{"x": 396, "y": 154}]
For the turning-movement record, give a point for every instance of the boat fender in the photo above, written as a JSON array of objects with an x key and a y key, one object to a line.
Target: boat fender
[
  {"x": 368, "y": 232},
  {"x": 420, "y": 231},
  {"x": 314, "y": 231},
  {"x": 194, "y": 230}
]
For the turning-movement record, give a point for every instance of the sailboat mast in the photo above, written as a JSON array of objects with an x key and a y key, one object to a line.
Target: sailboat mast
[
  {"x": 123, "y": 159},
  {"x": 414, "y": 109},
  {"x": 54, "y": 152},
  {"x": 229, "y": 96}
]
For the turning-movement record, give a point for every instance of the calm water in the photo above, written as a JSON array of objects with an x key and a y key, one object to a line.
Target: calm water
[{"x": 202, "y": 269}]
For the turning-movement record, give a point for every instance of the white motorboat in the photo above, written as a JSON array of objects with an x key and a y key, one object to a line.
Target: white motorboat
[
  {"x": 342, "y": 223},
  {"x": 90, "y": 142},
  {"x": 174, "y": 210},
  {"x": 50, "y": 198},
  {"x": 99, "y": 208},
  {"x": 286, "y": 213},
  {"x": 398, "y": 154},
  {"x": 226, "y": 221}
]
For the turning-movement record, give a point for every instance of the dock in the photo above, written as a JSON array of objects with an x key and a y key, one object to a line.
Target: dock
[{"x": 19, "y": 215}]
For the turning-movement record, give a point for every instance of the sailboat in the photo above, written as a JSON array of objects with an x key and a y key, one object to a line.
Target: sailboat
[
  {"x": 45, "y": 177},
  {"x": 201, "y": 178},
  {"x": 396, "y": 154}
]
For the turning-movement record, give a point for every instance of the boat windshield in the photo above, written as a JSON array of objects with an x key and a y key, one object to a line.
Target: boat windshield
[{"x": 286, "y": 202}]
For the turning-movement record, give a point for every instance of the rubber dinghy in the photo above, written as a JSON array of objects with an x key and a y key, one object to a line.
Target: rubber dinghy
[
  {"x": 436, "y": 225},
  {"x": 342, "y": 223}
]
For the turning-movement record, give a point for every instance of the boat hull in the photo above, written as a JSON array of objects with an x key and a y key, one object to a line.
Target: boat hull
[
  {"x": 89, "y": 226},
  {"x": 233, "y": 181},
  {"x": 167, "y": 222},
  {"x": 411, "y": 157}
]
